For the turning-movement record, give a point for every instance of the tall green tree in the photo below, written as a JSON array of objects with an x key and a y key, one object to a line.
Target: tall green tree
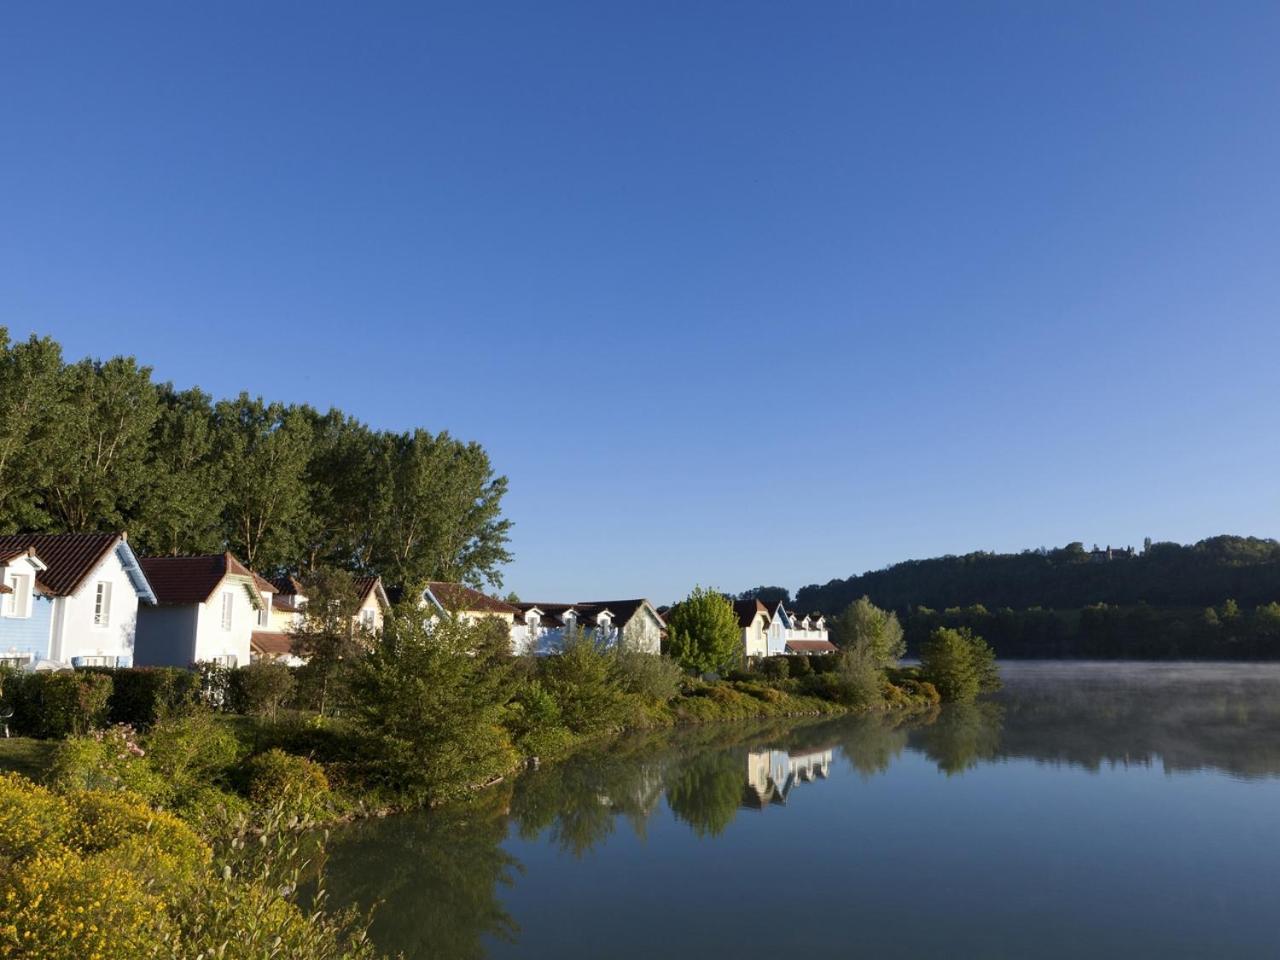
[
  {"x": 703, "y": 633},
  {"x": 99, "y": 456},
  {"x": 959, "y": 663},
  {"x": 440, "y": 515},
  {"x": 31, "y": 389},
  {"x": 431, "y": 699},
  {"x": 876, "y": 633},
  {"x": 328, "y": 636},
  {"x": 342, "y": 493},
  {"x": 264, "y": 449},
  {"x": 182, "y": 508}
]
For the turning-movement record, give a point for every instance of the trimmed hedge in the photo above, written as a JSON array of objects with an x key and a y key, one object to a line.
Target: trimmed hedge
[
  {"x": 141, "y": 696},
  {"x": 56, "y": 705}
]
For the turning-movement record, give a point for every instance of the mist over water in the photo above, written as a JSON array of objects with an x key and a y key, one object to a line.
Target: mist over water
[{"x": 1098, "y": 809}]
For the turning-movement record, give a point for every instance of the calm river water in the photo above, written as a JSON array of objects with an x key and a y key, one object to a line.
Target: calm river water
[{"x": 1090, "y": 810}]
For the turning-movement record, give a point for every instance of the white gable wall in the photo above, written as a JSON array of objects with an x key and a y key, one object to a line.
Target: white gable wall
[
  {"x": 212, "y": 639},
  {"x": 755, "y": 638},
  {"x": 74, "y": 634}
]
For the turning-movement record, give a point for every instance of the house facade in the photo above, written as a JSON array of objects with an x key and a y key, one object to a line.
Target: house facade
[
  {"x": 72, "y": 599},
  {"x": 374, "y": 604},
  {"x": 288, "y": 611},
  {"x": 207, "y": 610},
  {"x": 754, "y": 621},
  {"x": 541, "y": 628},
  {"x": 789, "y": 632},
  {"x": 440, "y": 598}
]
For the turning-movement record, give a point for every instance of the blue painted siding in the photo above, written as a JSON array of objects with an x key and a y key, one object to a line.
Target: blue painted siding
[{"x": 30, "y": 634}]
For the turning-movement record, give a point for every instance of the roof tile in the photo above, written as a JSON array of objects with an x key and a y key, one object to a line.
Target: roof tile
[{"x": 69, "y": 557}]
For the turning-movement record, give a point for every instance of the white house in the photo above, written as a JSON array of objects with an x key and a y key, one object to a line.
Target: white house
[
  {"x": 754, "y": 621},
  {"x": 207, "y": 609},
  {"x": 288, "y": 610},
  {"x": 464, "y": 603},
  {"x": 789, "y": 632},
  {"x": 70, "y": 598},
  {"x": 540, "y": 628}
]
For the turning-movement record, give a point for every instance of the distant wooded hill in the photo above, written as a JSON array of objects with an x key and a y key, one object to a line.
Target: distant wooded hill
[
  {"x": 1215, "y": 598},
  {"x": 1246, "y": 569}
]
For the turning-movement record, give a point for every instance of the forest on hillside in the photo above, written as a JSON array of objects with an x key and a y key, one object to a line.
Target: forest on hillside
[
  {"x": 1217, "y": 598},
  {"x": 98, "y": 445}
]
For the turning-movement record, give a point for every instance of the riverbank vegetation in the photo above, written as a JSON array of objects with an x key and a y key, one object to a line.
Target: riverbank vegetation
[{"x": 192, "y": 763}]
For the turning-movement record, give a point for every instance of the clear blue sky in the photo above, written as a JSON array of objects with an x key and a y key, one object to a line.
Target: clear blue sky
[{"x": 733, "y": 293}]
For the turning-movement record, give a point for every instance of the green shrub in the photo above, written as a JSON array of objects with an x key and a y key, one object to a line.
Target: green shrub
[
  {"x": 211, "y": 811},
  {"x": 297, "y": 784},
  {"x": 109, "y": 759},
  {"x": 775, "y": 668},
  {"x": 799, "y": 665},
  {"x": 260, "y": 688},
  {"x": 959, "y": 664},
  {"x": 57, "y": 704},
  {"x": 193, "y": 750},
  {"x": 648, "y": 674},
  {"x": 142, "y": 695},
  {"x": 585, "y": 682},
  {"x": 534, "y": 719},
  {"x": 824, "y": 664}
]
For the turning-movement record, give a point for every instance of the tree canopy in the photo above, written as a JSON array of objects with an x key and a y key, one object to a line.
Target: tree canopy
[
  {"x": 703, "y": 633},
  {"x": 99, "y": 445}
]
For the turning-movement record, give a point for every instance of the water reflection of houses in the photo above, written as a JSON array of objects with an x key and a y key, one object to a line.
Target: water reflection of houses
[{"x": 773, "y": 774}]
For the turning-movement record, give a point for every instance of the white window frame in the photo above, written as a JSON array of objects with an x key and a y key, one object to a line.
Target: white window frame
[
  {"x": 226, "y": 660},
  {"x": 98, "y": 660},
  {"x": 368, "y": 618},
  {"x": 264, "y": 615},
  {"x": 20, "y": 600},
  {"x": 102, "y": 604},
  {"x": 226, "y": 615}
]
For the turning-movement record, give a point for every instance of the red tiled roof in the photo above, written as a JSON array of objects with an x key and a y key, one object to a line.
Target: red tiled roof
[
  {"x": 191, "y": 579},
  {"x": 271, "y": 642},
  {"x": 747, "y": 610},
  {"x": 812, "y": 646},
  {"x": 459, "y": 599},
  {"x": 284, "y": 603},
  {"x": 290, "y": 585},
  {"x": 68, "y": 557},
  {"x": 588, "y": 610},
  {"x": 365, "y": 585}
]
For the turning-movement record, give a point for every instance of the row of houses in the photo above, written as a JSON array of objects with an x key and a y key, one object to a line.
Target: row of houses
[
  {"x": 782, "y": 631},
  {"x": 88, "y": 600}
]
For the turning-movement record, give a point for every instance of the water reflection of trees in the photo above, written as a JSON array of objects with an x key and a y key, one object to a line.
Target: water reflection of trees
[
  {"x": 1183, "y": 716},
  {"x": 438, "y": 875},
  {"x": 434, "y": 877},
  {"x": 961, "y": 736}
]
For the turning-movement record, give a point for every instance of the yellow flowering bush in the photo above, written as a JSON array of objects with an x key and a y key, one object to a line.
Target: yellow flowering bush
[
  {"x": 31, "y": 818},
  {"x": 61, "y": 906},
  {"x": 99, "y": 875}
]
